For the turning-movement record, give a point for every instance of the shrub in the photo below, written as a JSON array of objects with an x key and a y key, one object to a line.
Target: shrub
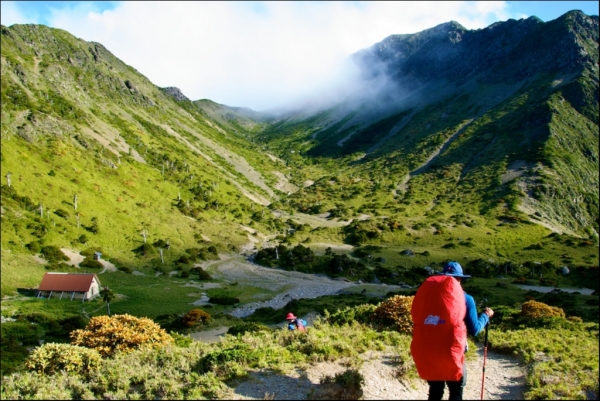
[
  {"x": 223, "y": 300},
  {"x": 94, "y": 228},
  {"x": 212, "y": 249},
  {"x": 53, "y": 253},
  {"x": 120, "y": 333},
  {"x": 13, "y": 355},
  {"x": 91, "y": 264},
  {"x": 89, "y": 252},
  {"x": 217, "y": 360},
  {"x": 184, "y": 260},
  {"x": 34, "y": 246},
  {"x": 125, "y": 269},
  {"x": 348, "y": 378},
  {"x": 23, "y": 332},
  {"x": 396, "y": 311},
  {"x": 62, "y": 213},
  {"x": 144, "y": 250},
  {"x": 535, "y": 310},
  {"x": 361, "y": 314},
  {"x": 51, "y": 358},
  {"x": 194, "y": 316},
  {"x": 183, "y": 341},
  {"x": 202, "y": 274},
  {"x": 247, "y": 327}
]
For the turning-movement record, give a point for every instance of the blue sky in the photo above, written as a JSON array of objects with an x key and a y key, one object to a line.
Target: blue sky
[{"x": 258, "y": 54}]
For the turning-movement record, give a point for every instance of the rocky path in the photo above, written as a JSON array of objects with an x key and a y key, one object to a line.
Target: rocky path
[
  {"x": 288, "y": 285},
  {"x": 505, "y": 380}
]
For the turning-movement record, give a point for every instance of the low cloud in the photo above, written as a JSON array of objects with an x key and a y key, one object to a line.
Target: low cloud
[{"x": 256, "y": 54}]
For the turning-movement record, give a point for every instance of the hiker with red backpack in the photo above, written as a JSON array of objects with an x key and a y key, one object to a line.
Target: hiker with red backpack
[
  {"x": 442, "y": 315},
  {"x": 295, "y": 323}
]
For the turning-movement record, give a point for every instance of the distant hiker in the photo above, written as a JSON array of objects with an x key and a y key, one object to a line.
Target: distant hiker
[
  {"x": 443, "y": 314},
  {"x": 295, "y": 323}
]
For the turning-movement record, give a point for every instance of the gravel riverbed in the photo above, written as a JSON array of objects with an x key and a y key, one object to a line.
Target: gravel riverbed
[{"x": 289, "y": 284}]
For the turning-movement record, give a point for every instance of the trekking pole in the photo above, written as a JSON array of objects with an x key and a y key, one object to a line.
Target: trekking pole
[{"x": 487, "y": 326}]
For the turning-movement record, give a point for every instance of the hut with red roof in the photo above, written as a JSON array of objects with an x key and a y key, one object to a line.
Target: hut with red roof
[{"x": 84, "y": 286}]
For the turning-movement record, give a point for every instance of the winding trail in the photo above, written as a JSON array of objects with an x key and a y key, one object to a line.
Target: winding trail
[
  {"x": 433, "y": 155},
  {"x": 504, "y": 380}
]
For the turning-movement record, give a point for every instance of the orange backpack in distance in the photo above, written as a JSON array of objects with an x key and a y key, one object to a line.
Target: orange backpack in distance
[{"x": 439, "y": 332}]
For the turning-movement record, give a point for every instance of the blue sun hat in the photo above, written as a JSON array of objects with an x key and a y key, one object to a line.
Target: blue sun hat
[{"x": 453, "y": 269}]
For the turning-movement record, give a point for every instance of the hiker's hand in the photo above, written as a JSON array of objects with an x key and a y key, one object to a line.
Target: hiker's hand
[{"x": 489, "y": 312}]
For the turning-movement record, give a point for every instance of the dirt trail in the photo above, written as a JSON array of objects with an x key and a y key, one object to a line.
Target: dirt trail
[
  {"x": 505, "y": 376},
  {"x": 76, "y": 258},
  {"x": 505, "y": 380},
  {"x": 402, "y": 185}
]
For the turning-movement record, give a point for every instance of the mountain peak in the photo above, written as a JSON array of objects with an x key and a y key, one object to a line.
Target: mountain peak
[{"x": 175, "y": 93}]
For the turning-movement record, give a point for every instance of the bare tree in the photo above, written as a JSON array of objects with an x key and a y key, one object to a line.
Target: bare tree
[
  {"x": 8, "y": 178},
  {"x": 144, "y": 233},
  {"x": 160, "y": 250},
  {"x": 77, "y": 217},
  {"x": 75, "y": 201},
  {"x": 41, "y": 209}
]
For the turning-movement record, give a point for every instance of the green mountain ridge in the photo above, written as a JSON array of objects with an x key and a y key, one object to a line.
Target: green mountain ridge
[
  {"x": 482, "y": 133},
  {"x": 515, "y": 82}
]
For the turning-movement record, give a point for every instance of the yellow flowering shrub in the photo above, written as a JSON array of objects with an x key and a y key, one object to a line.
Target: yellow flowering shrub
[
  {"x": 396, "y": 311},
  {"x": 51, "y": 358},
  {"x": 534, "y": 310},
  {"x": 194, "y": 316},
  {"x": 120, "y": 333}
]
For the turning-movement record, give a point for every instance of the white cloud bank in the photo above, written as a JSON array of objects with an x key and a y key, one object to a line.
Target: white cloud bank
[{"x": 254, "y": 54}]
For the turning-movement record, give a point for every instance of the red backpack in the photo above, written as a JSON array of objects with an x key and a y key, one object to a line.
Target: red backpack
[{"x": 439, "y": 332}]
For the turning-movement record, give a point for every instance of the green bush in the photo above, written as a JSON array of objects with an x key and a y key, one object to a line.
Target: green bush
[
  {"x": 23, "y": 332},
  {"x": 223, "y": 300},
  {"x": 62, "y": 213},
  {"x": 144, "y": 250},
  {"x": 35, "y": 246},
  {"x": 202, "y": 274},
  {"x": 89, "y": 252},
  {"x": 12, "y": 355},
  {"x": 247, "y": 327},
  {"x": 91, "y": 264},
  {"x": 216, "y": 360},
  {"x": 361, "y": 314},
  {"x": 183, "y": 341},
  {"x": 125, "y": 269},
  {"x": 53, "y": 253},
  {"x": 52, "y": 358}
]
